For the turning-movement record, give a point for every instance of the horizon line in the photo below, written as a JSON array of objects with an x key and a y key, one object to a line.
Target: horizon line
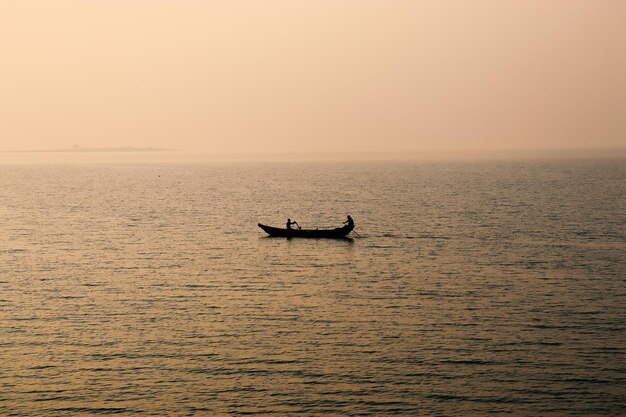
[
  {"x": 86, "y": 150},
  {"x": 318, "y": 153}
]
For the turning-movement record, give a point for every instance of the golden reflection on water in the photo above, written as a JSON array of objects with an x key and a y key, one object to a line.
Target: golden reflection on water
[{"x": 477, "y": 288}]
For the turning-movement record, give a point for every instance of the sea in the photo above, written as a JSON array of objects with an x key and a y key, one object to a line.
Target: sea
[{"x": 470, "y": 288}]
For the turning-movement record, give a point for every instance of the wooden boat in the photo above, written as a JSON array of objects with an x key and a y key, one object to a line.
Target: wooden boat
[{"x": 337, "y": 233}]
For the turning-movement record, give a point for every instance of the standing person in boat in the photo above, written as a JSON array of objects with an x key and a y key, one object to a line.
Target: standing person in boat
[{"x": 349, "y": 222}]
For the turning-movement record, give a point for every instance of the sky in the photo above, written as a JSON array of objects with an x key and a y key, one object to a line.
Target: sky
[{"x": 313, "y": 76}]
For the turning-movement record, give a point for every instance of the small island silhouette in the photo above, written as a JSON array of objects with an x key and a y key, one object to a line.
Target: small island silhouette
[{"x": 78, "y": 148}]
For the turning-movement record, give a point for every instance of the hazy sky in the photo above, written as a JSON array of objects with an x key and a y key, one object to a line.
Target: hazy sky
[{"x": 313, "y": 76}]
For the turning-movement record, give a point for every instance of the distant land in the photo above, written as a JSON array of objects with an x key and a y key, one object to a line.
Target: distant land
[
  {"x": 154, "y": 154},
  {"x": 425, "y": 155},
  {"x": 78, "y": 148}
]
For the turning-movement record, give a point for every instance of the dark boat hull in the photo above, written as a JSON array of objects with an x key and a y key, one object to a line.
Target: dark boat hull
[{"x": 338, "y": 233}]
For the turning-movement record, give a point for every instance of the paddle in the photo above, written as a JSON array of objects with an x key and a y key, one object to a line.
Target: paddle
[{"x": 354, "y": 231}]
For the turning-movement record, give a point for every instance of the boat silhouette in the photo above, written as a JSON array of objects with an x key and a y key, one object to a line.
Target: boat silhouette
[{"x": 336, "y": 233}]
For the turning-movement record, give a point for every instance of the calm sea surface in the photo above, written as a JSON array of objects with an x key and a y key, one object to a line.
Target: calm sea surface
[{"x": 477, "y": 288}]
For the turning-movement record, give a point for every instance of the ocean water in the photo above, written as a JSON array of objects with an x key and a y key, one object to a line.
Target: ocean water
[{"x": 476, "y": 288}]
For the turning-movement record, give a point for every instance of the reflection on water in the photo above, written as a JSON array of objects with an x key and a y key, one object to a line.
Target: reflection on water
[{"x": 478, "y": 287}]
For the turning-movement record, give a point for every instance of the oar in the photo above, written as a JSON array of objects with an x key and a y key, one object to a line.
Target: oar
[{"x": 354, "y": 231}]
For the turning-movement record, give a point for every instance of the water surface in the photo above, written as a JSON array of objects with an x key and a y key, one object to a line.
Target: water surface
[{"x": 477, "y": 287}]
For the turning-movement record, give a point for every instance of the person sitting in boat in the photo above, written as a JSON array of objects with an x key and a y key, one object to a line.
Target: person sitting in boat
[
  {"x": 289, "y": 223},
  {"x": 349, "y": 222}
]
